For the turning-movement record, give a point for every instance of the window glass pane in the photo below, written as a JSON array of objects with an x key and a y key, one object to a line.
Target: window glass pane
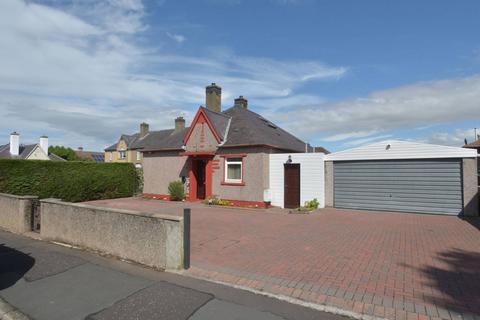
[{"x": 234, "y": 171}]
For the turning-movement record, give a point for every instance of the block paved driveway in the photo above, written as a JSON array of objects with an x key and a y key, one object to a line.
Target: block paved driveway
[{"x": 390, "y": 265}]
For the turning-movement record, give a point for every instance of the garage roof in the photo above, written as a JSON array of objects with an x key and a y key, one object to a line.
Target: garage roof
[{"x": 397, "y": 149}]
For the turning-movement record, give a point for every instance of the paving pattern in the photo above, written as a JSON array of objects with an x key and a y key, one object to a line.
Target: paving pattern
[{"x": 390, "y": 265}]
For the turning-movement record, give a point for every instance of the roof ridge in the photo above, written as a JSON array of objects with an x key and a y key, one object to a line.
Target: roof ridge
[{"x": 215, "y": 112}]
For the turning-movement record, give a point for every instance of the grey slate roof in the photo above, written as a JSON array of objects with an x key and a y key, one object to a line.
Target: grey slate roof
[
  {"x": 237, "y": 126},
  {"x": 23, "y": 152},
  {"x": 220, "y": 121},
  {"x": 163, "y": 139},
  {"x": 113, "y": 147},
  {"x": 250, "y": 128},
  {"x": 54, "y": 157}
]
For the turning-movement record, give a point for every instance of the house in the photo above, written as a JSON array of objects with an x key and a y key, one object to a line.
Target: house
[
  {"x": 223, "y": 153},
  {"x": 36, "y": 151},
  {"x": 473, "y": 145},
  {"x": 93, "y": 155},
  {"x": 126, "y": 149},
  {"x": 320, "y": 150}
]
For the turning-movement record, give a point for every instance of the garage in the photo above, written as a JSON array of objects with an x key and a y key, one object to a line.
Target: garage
[
  {"x": 431, "y": 186},
  {"x": 404, "y": 176}
]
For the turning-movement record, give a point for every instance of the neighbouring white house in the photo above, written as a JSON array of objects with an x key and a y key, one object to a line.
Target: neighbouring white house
[{"x": 36, "y": 151}]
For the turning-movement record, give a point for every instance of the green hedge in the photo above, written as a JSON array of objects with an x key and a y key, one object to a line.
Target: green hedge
[{"x": 70, "y": 181}]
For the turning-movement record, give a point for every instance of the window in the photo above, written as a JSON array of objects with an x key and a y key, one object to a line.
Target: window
[
  {"x": 233, "y": 170},
  {"x": 138, "y": 155},
  {"x": 111, "y": 153},
  {"x": 122, "y": 154}
]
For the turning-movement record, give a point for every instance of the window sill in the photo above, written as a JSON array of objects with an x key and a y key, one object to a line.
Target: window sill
[{"x": 226, "y": 183}]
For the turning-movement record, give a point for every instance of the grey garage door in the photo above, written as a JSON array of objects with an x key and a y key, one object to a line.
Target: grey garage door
[{"x": 425, "y": 186}]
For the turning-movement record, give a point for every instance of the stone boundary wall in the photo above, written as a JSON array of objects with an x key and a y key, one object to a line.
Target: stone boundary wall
[
  {"x": 154, "y": 240},
  {"x": 16, "y": 212}
]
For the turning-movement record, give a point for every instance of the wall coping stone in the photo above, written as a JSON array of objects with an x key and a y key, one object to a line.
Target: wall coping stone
[
  {"x": 8, "y": 195},
  {"x": 114, "y": 210}
]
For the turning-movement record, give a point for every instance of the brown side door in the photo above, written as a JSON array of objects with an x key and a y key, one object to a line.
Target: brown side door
[{"x": 292, "y": 185}]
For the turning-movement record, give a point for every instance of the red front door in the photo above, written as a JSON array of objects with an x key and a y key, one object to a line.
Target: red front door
[
  {"x": 200, "y": 178},
  {"x": 199, "y": 172}
]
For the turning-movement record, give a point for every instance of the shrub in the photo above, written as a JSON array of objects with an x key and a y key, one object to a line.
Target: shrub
[
  {"x": 312, "y": 204},
  {"x": 212, "y": 200},
  {"x": 176, "y": 191},
  {"x": 70, "y": 181},
  {"x": 215, "y": 201}
]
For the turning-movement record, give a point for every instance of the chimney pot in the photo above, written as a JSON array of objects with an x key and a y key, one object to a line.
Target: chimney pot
[
  {"x": 144, "y": 127},
  {"x": 14, "y": 144},
  {"x": 213, "y": 97},
  {"x": 241, "y": 102},
  {"x": 179, "y": 124},
  {"x": 44, "y": 144}
]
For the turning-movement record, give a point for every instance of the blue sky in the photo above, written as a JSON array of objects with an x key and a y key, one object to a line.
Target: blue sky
[{"x": 335, "y": 73}]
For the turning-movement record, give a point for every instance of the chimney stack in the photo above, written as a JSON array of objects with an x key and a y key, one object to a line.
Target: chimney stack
[
  {"x": 241, "y": 102},
  {"x": 144, "y": 127},
  {"x": 179, "y": 124},
  {"x": 44, "y": 144},
  {"x": 213, "y": 99},
  {"x": 14, "y": 144}
]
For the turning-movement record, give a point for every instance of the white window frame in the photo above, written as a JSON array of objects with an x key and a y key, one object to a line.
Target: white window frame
[
  {"x": 231, "y": 161},
  {"x": 124, "y": 152},
  {"x": 111, "y": 156},
  {"x": 139, "y": 156}
]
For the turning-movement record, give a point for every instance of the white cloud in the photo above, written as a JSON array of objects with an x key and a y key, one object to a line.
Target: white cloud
[
  {"x": 419, "y": 104},
  {"x": 77, "y": 72},
  {"x": 176, "y": 37},
  {"x": 454, "y": 138},
  {"x": 349, "y": 135}
]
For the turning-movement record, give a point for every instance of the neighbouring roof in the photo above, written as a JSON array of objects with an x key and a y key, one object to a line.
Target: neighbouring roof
[
  {"x": 397, "y": 149},
  {"x": 129, "y": 141},
  {"x": 163, "y": 139},
  {"x": 54, "y": 157},
  {"x": 23, "y": 152},
  {"x": 320, "y": 150},
  {"x": 94, "y": 155},
  {"x": 473, "y": 145}
]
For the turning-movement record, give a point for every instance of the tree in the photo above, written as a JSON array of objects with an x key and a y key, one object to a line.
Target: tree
[{"x": 64, "y": 152}]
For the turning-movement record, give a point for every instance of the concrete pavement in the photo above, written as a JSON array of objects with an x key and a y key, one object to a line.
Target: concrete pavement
[{"x": 48, "y": 281}]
